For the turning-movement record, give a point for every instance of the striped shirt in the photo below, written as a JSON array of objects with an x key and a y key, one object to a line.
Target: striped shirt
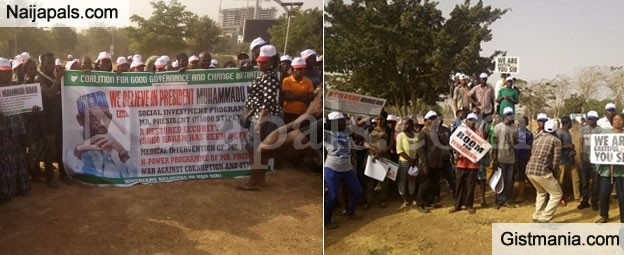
[{"x": 545, "y": 154}]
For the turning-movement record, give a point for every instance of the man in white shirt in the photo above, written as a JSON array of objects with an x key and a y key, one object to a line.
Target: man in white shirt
[{"x": 605, "y": 122}]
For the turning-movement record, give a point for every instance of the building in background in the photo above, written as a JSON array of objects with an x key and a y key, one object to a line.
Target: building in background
[{"x": 232, "y": 20}]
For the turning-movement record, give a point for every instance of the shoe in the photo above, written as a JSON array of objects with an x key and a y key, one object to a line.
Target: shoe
[
  {"x": 582, "y": 206},
  {"x": 472, "y": 211},
  {"x": 414, "y": 203},
  {"x": 422, "y": 209},
  {"x": 331, "y": 226},
  {"x": 52, "y": 184},
  {"x": 510, "y": 205},
  {"x": 453, "y": 209},
  {"x": 602, "y": 220},
  {"x": 404, "y": 205},
  {"x": 594, "y": 206}
]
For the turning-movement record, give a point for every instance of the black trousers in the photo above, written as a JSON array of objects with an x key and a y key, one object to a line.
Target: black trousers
[
  {"x": 464, "y": 191},
  {"x": 605, "y": 193},
  {"x": 588, "y": 173},
  {"x": 427, "y": 187}
]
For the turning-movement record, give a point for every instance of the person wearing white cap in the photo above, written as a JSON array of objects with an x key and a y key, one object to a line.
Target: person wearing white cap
[
  {"x": 507, "y": 97},
  {"x": 611, "y": 174},
  {"x": 122, "y": 65},
  {"x": 214, "y": 63},
  {"x": 266, "y": 113},
  {"x": 588, "y": 170},
  {"x": 379, "y": 145},
  {"x": 72, "y": 65},
  {"x": 461, "y": 100},
  {"x": 605, "y": 122},
  {"x": 18, "y": 67},
  {"x": 193, "y": 62},
  {"x": 466, "y": 173},
  {"x": 160, "y": 63},
  {"x": 14, "y": 177},
  {"x": 311, "y": 72},
  {"x": 137, "y": 64},
  {"x": 30, "y": 71},
  {"x": 204, "y": 60},
  {"x": 182, "y": 63},
  {"x": 104, "y": 62},
  {"x": 505, "y": 139},
  {"x": 254, "y": 49},
  {"x": 430, "y": 163},
  {"x": 541, "y": 119},
  {"x": 298, "y": 91},
  {"x": 25, "y": 55},
  {"x": 540, "y": 170},
  {"x": 484, "y": 94},
  {"x": 285, "y": 67},
  {"x": 337, "y": 168},
  {"x": 58, "y": 62}
]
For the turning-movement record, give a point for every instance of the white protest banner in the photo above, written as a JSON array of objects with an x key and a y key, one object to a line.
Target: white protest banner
[
  {"x": 507, "y": 65},
  {"x": 469, "y": 144},
  {"x": 353, "y": 103},
  {"x": 20, "y": 98},
  {"x": 160, "y": 127},
  {"x": 607, "y": 149},
  {"x": 381, "y": 168}
]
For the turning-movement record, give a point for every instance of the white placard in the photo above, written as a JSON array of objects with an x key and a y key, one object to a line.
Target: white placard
[
  {"x": 607, "y": 149},
  {"x": 507, "y": 65},
  {"x": 20, "y": 98},
  {"x": 353, "y": 103},
  {"x": 381, "y": 168},
  {"x": 469, "y": 144}
]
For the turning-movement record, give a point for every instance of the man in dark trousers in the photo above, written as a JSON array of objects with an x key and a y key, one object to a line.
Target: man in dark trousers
[{"x": 430, "y": 161}]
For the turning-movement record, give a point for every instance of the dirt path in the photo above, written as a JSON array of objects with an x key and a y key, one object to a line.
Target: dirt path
[
  {"x": 185, "y": 217},
  {"x": 389, "y": 231}
]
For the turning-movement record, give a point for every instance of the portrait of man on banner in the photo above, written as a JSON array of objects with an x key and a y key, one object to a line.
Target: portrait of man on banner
[{"x": 100, "y": 153}]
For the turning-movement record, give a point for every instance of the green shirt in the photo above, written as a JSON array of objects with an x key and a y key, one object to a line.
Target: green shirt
[
  {"x": 513, "y": 94},
  {"x": 604, "y": 170}
]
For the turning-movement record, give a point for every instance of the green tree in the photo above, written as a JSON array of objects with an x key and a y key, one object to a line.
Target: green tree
[
  {"x": 203, "y": 34},
  {"x": 306, "y": 32},
  {"x": 64, "y": 40},
  {"x": 404, "y": 50},
  {"x": 162, "y": 33}
]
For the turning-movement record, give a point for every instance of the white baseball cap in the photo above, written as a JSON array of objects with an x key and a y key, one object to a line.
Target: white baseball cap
[
  {"x": 542, "y": 117},
  {"x": 610, "y": 106},
  {"x": 592, "y": 114},
  {"x": 508, "y": 111},
  {"x": 457, "y": 75},
  {"x": 174, "y": 64},
  {"x": 391, "y": 117},
  {"x": 257, "y": 42},
  {"x": 58, "y": 62},
  {"x": 472, "y": 116},
  {"x": 25, "y": 55},
  {"x": 137, "y": 57},
  {"x": 266, "y": 53},
  {"x": 298, "y": 63},
  {"x": 122, "y": 60},
  {"x": 136, "y": 62},
  {"x": 193, "y": 58},
  {"x": 430, "y": 114},
  {"x": 285, "y": 58},
  {"x": 335, "y": 116},
  {"x": 550, "y": 126},
  {"x": 17, "y": 61},
  {"x": 5, "y": 65},
  {"x": 319, "y": 58},
  {"x": 165, "y": 58},
  {"x": 214, "y": 62},
  {"x": 463, "y": 77},
  {"x": 509, "y": 78},
  {"x": 483, "y": 76},
  {"x": 160, "y": 62},
  {"x": 70, "y": 63},
  {"x": 307, "y": 53},
  {"x": 103, "y": 55}
]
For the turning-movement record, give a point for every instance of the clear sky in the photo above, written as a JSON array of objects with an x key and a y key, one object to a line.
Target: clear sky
[
  {"x": 556, "y": 36},
  {"x": 211, "y": 7}
]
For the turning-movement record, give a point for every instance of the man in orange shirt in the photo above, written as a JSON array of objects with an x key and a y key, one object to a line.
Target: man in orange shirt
[{"x": 297, "y": 90}]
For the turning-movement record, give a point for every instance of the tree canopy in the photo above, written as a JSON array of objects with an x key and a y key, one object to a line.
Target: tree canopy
[{"x": 306, "y": 32}]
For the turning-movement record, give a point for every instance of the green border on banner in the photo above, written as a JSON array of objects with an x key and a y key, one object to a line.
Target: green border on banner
[{"x": 145, "y": 79}]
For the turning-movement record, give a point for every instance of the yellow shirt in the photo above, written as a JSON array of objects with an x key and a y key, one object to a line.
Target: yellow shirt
[
  {"x": 299, "y": 88},
  {"x": 407, "y": 145}
]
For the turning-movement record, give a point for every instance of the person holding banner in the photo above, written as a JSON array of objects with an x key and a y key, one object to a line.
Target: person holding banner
[
  {"x": 588, "y": 170},
  {"x": 266, "y": 113},
  {"x": 541, "y": 171},
  {"x": 104, "y": 62},
  {"x": 379, "y": 147},
  {"x": 337, "y": 168},
  {"x": 466, "y": 173},
  {"x": 505, "y": 140},
  {"x": 612, "y": 175},
  {"x": 484, "y": 127},
  {"x": 406, "y": 148},
  {"x": 14, "y": 179},
  {"x": 52, "y": 117}
]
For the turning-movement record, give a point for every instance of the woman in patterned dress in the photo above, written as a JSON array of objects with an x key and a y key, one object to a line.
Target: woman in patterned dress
[
  {"x": 14, "y": 178},
  {"x": 265, "y": 112}
]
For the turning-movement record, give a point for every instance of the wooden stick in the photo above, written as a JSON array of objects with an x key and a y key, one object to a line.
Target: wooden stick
[{"x": 611, "y": 174}]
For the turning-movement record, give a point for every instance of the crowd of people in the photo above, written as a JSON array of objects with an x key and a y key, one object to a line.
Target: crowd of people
[
  {"x": 284, "y": 91},
  {"x": 543, "y": 159}
]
